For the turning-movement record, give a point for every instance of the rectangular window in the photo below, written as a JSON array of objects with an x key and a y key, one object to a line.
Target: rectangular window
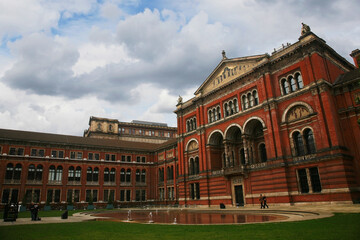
[
  {"x": 143, "y": 159},
  {"x": 106, "y": 195},
  {"x": 128, "y": 158},
  {"x": 113, "y": 157},
  {"x": 12, "y": 151},
  {"x": 128, "y": 195},
  {"x": 72, "y": 155},
  {"x": 69, "y": 197},
  {"x": 20, "y": 152},
  {"x": 0, "y": 150},
  {"x": 304, "y": 187},
  {"x": 122, "y": 195},
  {"x": 90, "y": 156},
  {"x": 195, "y": 191},
  {"x": 88, "y": 195},
  {"x": 53, "y": 154},
  {"x": 123, "y": 158},
  {"x": 107, "y": 157},
  {"x": 137, "y": 159},
  {"x": 33, "y": 152},
  {"x": 97, "y": 156},
  {"x": 143, "y": 195},
  {"x": 61, "y": 154},
  {"x": 315, "y": 179},
  {"x": 137, "y": 195},
  {"x": 57, "y": 195},
  {"x": 41, "y": 152},
  {"x": 49, "y": 197},
  {"x": 79, "y": 155},
  {"x": 77, "y": 196}
]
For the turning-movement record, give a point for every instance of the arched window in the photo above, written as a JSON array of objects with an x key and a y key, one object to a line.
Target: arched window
[
  {"x": 309, "y": 141},
  {"x": 224, "y": 159},
  {"x": 137, "y": 175},
  {"x": 9, "y": 171},
  {"x": 262, "y": 151},
  {"x": 299, "y": 80},
  {"x": 71, "y": 173},
  {"x": 231, "y": 106},
  {"x": 226, "y": 110},
  {"x": 218, "y": 112},
  {"x": 196, "y": 166},
  {"x": 172, "y": 172},
  {"x": 78, "y": 174},
  {"x": 143, "y": 176},
  {"x": 17, "y": 171},
  {"x": 293, "y": 83},
  {"x": 250, "y": 99},
  {"x": 210, "y": 117},
  {"x": 236, "y": 105},
  {"x": 242, "y": 156},
  {"x": 106, "y": 175},
  {"x": 195, "y": 123},
  {"x": 188, "y": 125},
  {"x": 245, "y": 102},
  {"x": 128, "y": 175},
  {"x": 31, "y": 172},
  {"x": 112, "y": 175},
  {"x": 52, "y": 173},
  {"x": 59, "y": 172},
  {"x": 285, "y": 86},
  {"x": 96, "y": 174},
  {"x": 256, "y": 98},
  {"x": 122, "y": 175},
  {"x": 39, "y": 171},
  {"x": 191, "y": 166},
  {"x": 89, "y": 174},
  {"x": 215, "y": 117},
  {"x": 298, "y": 144}
]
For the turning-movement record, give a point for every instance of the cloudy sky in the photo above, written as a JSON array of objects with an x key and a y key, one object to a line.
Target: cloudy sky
[{"x": 64, "y": 61}]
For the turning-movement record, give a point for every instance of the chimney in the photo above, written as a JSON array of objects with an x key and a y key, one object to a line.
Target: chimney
[{"x": 356, "y": 56}]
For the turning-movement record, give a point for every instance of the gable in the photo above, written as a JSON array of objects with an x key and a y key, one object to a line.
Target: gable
[{"x": 228, "y": 70}]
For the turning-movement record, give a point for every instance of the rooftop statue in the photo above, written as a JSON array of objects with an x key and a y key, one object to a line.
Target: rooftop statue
[{"x": 305, "y": 29}]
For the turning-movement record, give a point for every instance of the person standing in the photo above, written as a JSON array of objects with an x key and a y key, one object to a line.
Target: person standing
[
  {"x": 261, "y": 200},
  {"x": 32, "y": 211},
  {"x": 264, "y": 202}
]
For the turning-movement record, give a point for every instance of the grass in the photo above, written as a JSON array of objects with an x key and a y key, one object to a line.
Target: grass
[{"x": 340, "y": 226}]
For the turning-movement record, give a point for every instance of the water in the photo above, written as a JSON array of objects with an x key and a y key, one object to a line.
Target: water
[{"x": 190, "y": 217}]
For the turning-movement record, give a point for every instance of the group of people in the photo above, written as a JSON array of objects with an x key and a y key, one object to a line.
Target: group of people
[
  {"x": 34, "y": 209},
  {"x": 263, "y": 201}
]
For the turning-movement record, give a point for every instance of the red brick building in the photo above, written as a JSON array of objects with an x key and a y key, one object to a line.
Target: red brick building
[{"x": 285, "y": 125}]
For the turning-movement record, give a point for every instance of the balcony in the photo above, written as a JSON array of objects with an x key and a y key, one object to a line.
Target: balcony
[{"x": 235, "y": 170}]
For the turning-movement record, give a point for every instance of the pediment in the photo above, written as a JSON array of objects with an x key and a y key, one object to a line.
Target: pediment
[{"x": 228, "y": 70}]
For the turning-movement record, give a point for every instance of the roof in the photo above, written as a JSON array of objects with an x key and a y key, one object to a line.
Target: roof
[
  {"x": 348, "y": 77},
  {"x": 58, "y": 139}
]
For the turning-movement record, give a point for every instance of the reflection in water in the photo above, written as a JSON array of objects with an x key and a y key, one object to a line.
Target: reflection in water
[{"x": 190, "y": 217}]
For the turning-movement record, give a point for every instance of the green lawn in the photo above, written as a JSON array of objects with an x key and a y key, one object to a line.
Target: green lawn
[{"x": 341, "y": 226}]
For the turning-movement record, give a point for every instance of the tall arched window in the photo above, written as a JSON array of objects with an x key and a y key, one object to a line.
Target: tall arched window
[
  {"x": 299, "y": 80},
  {"x": 52, "y": 173},
  {"x": 262, "y": 150},
  {"x": 96, "y": 174},
  {"x": 231, "y": 106},
  {"x": 196, "y": 166},
  {"x": 78, "y": 174},
  {"x": 71, "y": 173},
  {"x": 246, "y": 102},
  {"x": 250, "y": 99},
  {"x": 191, "y": 166},
  {"x": 256, "y": 98},
  {"x": 292, "y": 83},
  {"x": 210, "y": 117},
  {"x": 226, "y": 110},
  {"x": 137, "y": 175},
  {"x": 285, "y": 86},
  {"x": 9, "y": 171},
  {"x": 143, "y": 176},
  {"x": 128, "y": 175},
  {"x": 298, "y": 144},
  {"x": 17, "y": 172},
  {"x": 89, "y": 174},
  {"x": 106, "y": 175},
  {"x": 218, "y": 112},
  {"x": 31, "y": 172},
  {"x": 236, "y": 105},
  {"x": 39, "y": 171},
  {"x": 112, "y": 175},
  {"x": 59, "y": 171},
  {"x": 309, "y": 141},
  {"x": 122, "y": 175}
]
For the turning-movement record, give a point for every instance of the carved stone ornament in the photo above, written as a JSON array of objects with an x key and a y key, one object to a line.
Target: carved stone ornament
[
  {"x": 297, "y": 113},
  {"x": 305, "y": 29},
  {"x": 193, "y": 145}
]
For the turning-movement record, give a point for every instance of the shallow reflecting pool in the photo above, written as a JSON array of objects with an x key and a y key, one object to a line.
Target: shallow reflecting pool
[{"x": 190, "y": 217}]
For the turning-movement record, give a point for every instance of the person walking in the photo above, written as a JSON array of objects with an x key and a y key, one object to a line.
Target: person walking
[
  {"x": 264, "y": 202},
  {"x": 261, "y": 200}
]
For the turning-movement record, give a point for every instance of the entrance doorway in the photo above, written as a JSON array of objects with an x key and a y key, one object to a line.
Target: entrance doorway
[{"x": 239, "y": 195}]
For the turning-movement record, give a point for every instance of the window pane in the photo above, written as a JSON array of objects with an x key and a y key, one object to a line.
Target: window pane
[
  {"x": 315, "y": 179},
  {"x": 304, "y": 186}
]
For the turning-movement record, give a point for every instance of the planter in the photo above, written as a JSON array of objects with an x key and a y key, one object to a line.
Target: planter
[
  {"x": 70, "y": 207},
  {"x": 90, "y": 207},
  {"x": 47, "y": 208},
  {"x": 109, "y": 206}
]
